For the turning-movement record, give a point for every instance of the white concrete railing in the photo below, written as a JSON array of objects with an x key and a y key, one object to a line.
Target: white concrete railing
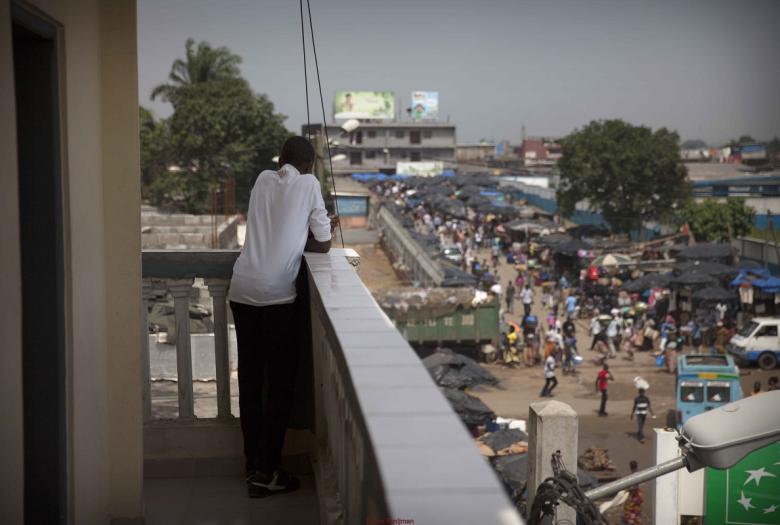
[{"x": 383, "y": 432}]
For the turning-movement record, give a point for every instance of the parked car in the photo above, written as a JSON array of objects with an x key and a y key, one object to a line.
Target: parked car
[
  {"x": 453, "y": 253},
  {"x": 757, "y": 343}
]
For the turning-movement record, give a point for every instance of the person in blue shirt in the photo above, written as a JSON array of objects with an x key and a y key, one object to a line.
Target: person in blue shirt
[
  {"x": 564, "y": 282},
  {"x": 571, "y": 305}
]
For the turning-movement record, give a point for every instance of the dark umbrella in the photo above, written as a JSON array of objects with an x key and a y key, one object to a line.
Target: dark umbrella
[
  {"x": 501, "y": 439},
  {"x": 554, "y": 239},
  {"x": 708, "y": 267},
  {"x": 472, "y": 410},
  {"x": 588, "y": 230},
  {"x": 706, "y": 250},
  {"x": 692, "y": 279},
  {"x": 747, "y": 264},
  {"x": 571, "y": 247},
  {"x": 715, "y": 293},
  {"x": 647, "y": 282},
  {"x": 513, "y": 470},
  {"x": 453, "y": 370}
]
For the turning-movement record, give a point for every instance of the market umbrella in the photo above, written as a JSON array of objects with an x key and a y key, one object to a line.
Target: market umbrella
[
  {"x": 708, "y": 267},
  {"x": 555, "y": 238},
  {"x": 472, "y": 410},
  {"x": 706, "y": 250},
  {"x": 692, "y": 279},
  {"x": 588, "y": 230},
  {"x": 501, "y": 439},
  {"x": 513, "y": 470},
  {"x": 715, "y": 293},
  {"x": 611, "y": 259},
  {"x": 647, "y": 282},
  {"x": 571, "y": 247},
  {"x": 453, "y": 370}
]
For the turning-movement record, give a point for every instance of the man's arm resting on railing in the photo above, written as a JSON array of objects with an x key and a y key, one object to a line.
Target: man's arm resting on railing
[{"x": 313, "y": 245}]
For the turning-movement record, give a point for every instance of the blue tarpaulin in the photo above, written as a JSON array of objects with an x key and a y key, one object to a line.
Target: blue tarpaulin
[
  {"x": 769, "y": 285},
  {"x": 761, "y": 273}
]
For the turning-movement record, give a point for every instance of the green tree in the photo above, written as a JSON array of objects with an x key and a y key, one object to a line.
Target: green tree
[
  {"x": 711, "y": 220},
  {"x": 219, "y": 128},
  {"x": 630, "y": 174},
  {"x": 200, "y": 65},
  {"x": 155, "y": 155}
]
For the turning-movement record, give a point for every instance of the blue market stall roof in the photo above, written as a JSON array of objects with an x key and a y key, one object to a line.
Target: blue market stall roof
[{"x": 759, "y": 278}]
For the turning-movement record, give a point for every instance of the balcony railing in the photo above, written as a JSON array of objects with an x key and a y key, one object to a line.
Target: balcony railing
[{"x": 381, "y": 428}]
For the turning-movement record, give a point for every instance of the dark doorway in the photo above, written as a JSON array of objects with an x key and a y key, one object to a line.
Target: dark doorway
[{"x": 41, "y": 225}]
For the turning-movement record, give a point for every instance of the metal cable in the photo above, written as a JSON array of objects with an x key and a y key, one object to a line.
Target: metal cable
[
  {"x": 305, "y": 74},
  {"x": 324, "y": 121}
]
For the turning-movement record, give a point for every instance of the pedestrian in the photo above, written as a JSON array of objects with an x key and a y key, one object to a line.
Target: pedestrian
[
  {"x": 556, "y": 300},
  {"x": 286, "y": 216},
  {"x": 601, "y": 386},
  {"x": 571, "y": 306},
  {"x": 756, "y": 388},
  {"x": 528, "y": 299},
  {"x": 641, "y": 408},
  {"x": 632, "y": 508},
  {"x": 510, "y": 297},
  {"x": 595, "y": 329},
  {"x": 550, "y": 381},
  {"x": 613, "y": 329}
]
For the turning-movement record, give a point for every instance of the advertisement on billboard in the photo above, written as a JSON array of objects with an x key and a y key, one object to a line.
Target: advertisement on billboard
[
  {"x": 364, "y": 105},
  {"x": 420, "y": 169},
  {"x": 425, "y": 105}
]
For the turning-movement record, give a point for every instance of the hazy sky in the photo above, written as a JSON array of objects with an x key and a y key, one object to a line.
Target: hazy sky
[{"x": 709, "y": 69}]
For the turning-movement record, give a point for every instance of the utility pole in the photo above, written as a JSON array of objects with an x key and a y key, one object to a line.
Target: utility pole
[{"x": 774, "y": 237}]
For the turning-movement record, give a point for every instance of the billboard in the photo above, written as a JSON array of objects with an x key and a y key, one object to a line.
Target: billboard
[
  {"x": 425, "y": 105},
  {"x": 420, "y": 169},
  {"x": 364, "y": 105}
]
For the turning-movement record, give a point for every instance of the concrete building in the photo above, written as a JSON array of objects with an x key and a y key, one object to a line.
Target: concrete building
[
  {"x": 535, "y": 152},
  {"x": 480, "y": 152},
  {"x": 379, "y": 146}
]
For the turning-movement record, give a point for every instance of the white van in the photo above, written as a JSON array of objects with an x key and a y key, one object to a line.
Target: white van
[{"x": 757, "y": 343}]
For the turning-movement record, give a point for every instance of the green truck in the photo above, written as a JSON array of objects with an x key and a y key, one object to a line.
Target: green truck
[{"x": 445, "y": 316}]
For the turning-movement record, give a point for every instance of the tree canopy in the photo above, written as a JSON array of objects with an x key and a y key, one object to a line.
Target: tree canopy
[
  {"x": 711, "y": 220},
  {"x": 219, "y": 128},
  {"x": 630, "y": 174}
]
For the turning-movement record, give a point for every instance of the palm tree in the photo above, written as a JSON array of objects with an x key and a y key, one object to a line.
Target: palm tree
[{"x": 201, "y": 65}]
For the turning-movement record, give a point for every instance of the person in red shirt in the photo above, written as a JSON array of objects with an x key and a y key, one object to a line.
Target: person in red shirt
[{"x": 601, "y": 386}]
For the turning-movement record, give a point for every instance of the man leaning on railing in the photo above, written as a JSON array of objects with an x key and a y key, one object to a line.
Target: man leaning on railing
[{"x": 286, "y": 216}]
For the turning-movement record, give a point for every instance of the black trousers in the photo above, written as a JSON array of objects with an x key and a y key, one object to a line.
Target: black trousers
[
  {"x": 640, "y": 421},
  {"x": 603, "y": 407},
  {"x": 549, "y": 384},
  {"x": 267, "y": 366}
]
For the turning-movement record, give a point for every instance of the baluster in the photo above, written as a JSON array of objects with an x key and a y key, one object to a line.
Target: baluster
[
  {"x": 180, "y": 290},
  {"x": 146, "y": 395},
  {"x": 218, "y": 290}
]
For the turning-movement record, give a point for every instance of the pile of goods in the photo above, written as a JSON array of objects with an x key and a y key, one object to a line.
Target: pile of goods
[{"x": 595, "y": 459}]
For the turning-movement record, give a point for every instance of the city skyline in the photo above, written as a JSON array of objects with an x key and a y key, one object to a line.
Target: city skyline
[{"x": 707, "y": 71}]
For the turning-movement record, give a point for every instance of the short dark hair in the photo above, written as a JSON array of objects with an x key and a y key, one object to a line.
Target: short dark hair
[
  {"x": 633, "y": 464},
  {"x": 297, "y": 151}
]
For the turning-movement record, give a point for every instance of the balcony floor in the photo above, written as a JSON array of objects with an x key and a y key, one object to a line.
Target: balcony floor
[{"x": 223, "y": 500}]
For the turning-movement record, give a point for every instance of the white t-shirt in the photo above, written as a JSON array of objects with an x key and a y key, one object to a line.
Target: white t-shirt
[
  {"x": 283, "y": 207},
  {"x": 549, "y": 367},
  {"x": 528, "y": 296}
]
